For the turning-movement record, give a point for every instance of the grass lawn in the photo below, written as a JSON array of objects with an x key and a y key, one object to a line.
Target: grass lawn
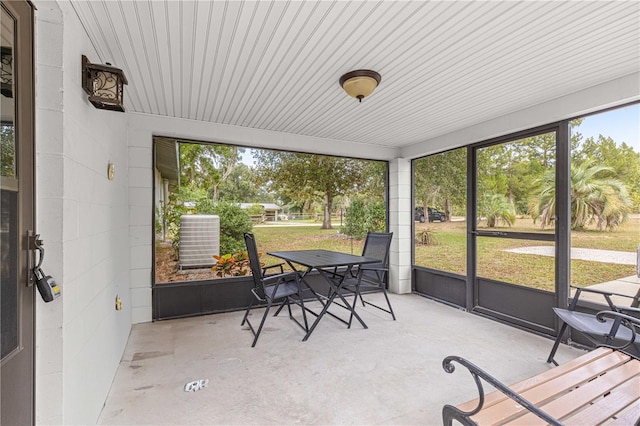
[
  {"x": 532, "y": 270},
  {"x": 449, "y": 254},
  {"x": 283, "y": 238}
]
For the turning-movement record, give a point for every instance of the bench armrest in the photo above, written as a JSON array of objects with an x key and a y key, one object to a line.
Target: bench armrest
[
  {"x": 450, "y": 413},
  {"x": 625, "y": 320},
  {"x": 629, "y": 310}
]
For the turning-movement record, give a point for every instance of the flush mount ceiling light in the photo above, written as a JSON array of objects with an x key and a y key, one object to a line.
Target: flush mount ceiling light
[
  {"x": 104, "y": 85},
  {"x": 360, "y": 83}
]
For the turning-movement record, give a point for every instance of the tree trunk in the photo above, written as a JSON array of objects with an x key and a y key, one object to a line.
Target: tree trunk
[
  {"x": 447, "y": 209},
  {"x": 326, "y": 219}
]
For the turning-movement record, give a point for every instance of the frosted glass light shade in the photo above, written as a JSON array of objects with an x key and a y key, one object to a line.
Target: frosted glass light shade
[{"x": 360, "y": 83}]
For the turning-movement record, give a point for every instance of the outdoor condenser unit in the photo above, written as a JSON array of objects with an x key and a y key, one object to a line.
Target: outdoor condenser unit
[{"x": 199, "y": 240}]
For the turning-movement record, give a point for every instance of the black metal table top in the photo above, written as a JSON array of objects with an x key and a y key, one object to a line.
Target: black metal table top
[{"x": 322, "y": 258}]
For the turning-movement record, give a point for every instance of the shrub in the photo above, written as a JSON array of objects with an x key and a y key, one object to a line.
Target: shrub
[
  {"x": 426, "y": 237},
  {"x": 232, "y": 265},
  {"x": 234, "y": 222},
  {"x": 364, "y": 216}
]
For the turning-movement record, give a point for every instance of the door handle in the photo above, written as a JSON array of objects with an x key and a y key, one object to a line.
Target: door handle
[{"x": 34, "y": 243}]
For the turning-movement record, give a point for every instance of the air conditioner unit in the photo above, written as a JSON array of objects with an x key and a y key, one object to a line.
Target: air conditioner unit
[{"x": 199, "y": 240}]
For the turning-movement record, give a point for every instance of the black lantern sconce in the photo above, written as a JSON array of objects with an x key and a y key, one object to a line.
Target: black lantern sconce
[
  {"x": 6, "y": 72},
  {"x": 104, "y": 85}
]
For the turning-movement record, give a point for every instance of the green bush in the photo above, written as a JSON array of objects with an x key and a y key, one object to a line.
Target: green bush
[
  {"x": 255, "y": 209},
  {"x": 234, "y": 222},
  {"x": 364, "y": 216}
]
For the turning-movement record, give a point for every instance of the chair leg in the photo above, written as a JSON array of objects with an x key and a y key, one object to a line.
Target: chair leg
[
  {"x": 280, "y": 308},
  {"x": 264, "y": 317},
  {"x": 289, "y": 306},
  {"x": 282, "y": 304},
  {"x": 355, "y": 300},
  {"x": 557, "y": 343},
  {"x": 244, "y": 319},
  {"x": 304, "y": 312},
  {"x": 360, "y": 295},
  {"x": 384, "y": 291}
]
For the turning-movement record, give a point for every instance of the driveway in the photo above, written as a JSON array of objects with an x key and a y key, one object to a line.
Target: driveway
[{"x": 593, "y": 255}]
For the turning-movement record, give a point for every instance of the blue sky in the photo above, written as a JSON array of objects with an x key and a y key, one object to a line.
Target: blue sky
[{"x": 621, "y": 125}]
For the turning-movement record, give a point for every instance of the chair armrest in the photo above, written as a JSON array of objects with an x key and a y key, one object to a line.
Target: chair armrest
[
  {"x": 450, "y": 412},
  {"x": 277, "y": 265},
  {"x": 606, "y": 294},
  {"x": 373, "y": 268},
  {"x": 277, "y": 277},
  {"x": 602, "y": 292}
]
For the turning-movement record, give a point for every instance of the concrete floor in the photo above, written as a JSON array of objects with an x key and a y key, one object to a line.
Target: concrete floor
[{"x": 388, "y": 374}]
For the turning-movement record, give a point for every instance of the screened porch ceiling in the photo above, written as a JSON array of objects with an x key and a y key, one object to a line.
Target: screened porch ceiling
[{"x": 275, "y": 65}]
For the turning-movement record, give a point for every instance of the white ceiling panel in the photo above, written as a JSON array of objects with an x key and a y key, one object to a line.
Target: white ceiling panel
[{"x": 275, "y": 65}]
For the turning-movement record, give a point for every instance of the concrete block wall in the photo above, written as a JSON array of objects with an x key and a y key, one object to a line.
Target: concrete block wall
[
  {"x": 400, "y": 224},
  {"x": 49, "y": 199},
  {"x": 83, "y": 218},
  {"x": 141, "y": 225}
]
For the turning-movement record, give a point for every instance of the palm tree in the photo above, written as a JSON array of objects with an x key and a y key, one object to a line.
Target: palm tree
[
  {"x": 601, "y": 201},
  {"x": 497, "y": 208}
]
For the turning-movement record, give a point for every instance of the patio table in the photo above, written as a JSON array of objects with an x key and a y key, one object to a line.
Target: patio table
[{"x": 323, "y": 261}]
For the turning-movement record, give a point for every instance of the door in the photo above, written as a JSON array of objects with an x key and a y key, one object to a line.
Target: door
[
  {"x": 513, "y": 240},
  {"x": 16, "y": 213}
]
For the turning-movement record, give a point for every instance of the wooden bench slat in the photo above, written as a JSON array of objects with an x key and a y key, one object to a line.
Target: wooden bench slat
[
  {"x": 506, "y": 410},
  {"x": 497, "y": 396},
  {"x": 607, "y": 407},
  {"x": 619, "y": 378},
  {"x": 630, "y": 417}
]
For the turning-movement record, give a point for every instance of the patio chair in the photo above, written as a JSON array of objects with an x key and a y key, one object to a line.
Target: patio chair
[
  {"x": 597, "y": 331},
  {"x": 284, "y": 287},
  {"x": 371, "y": 277}
]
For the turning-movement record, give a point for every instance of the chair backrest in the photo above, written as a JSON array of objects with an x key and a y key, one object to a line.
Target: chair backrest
[
  {"x": 254, "y": 262},
  {"x": 377, "y": 245}
]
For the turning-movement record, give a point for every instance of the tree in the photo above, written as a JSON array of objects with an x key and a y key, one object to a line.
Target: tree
[
  {"x": 7, "y": 151},
  {"x": 207, "y": 166},
  {"x": 364, "y": 215},
  {"x": 240, "y": 186},
  {"x": 496, "y": 208},
  {"x": 441, "y": 179},
  {"x": 623, "y": 161},
  {"x": 594, "y": 200},
  {"x": 300, "y": 175}
]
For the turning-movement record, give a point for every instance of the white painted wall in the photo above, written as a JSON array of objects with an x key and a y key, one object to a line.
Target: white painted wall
[{"x": 84, "y": 220}]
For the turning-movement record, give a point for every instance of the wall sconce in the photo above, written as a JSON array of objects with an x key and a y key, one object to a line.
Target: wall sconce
[
  {"x": 6, "y": 71},
  {"x": 104, "y": 85},
  {"x": 360, "y": 83}
]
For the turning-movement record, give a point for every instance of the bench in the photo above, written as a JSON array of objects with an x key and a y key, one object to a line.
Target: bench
[{"x": 602, "y": 385}]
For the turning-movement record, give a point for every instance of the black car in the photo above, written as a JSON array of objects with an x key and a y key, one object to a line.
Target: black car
[{"x": 435, "y": 215}]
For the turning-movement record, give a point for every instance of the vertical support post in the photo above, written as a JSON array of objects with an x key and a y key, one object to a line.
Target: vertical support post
[
  {"x": 563, "y": 216},
  {"x": 400, "y": 220},
  {"x": 472, "y": 214}
]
